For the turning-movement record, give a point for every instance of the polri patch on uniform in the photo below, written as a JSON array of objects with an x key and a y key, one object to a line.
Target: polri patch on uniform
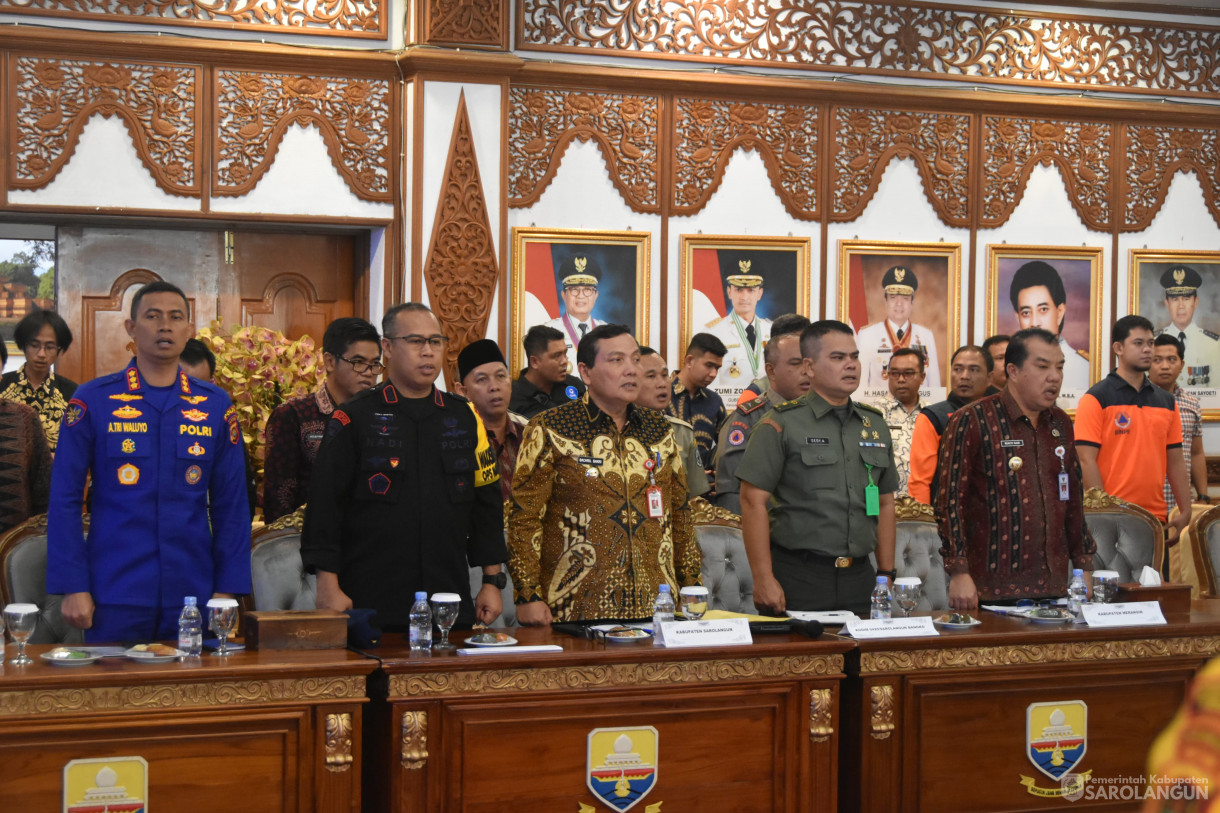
[
  {"x": 379, "y": 484},
  {"x": 571, "y": 392},
  {"x": 736, "y": 437},
  {"x": 589, "y": 461},
  {"x": 193, "y": 475},
  {"x": 818, "y": 441},
  {"x": 75, "y": 411}
]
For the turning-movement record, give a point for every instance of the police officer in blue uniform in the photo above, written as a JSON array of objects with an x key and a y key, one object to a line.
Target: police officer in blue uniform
[
  {"x": 170, "y": 517},
  {"x": 405, "y": 493}
]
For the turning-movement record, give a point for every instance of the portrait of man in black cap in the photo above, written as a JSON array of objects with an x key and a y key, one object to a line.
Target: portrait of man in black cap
[
  {"x": 580, "y": 276},
  {"x": 743, "y": 331},
  {"x": 878, "y": 341},
  {"x": 1181, "y": 284}
]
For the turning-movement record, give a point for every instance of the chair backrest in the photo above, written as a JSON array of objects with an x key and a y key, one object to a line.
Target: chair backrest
[
  {"x": 726, "y": 569},
  {"x": 1128, "y": 537},
  {"x": 1205, "y": 541},
  {"x": 917, "y": 552},
  {"x": 23, "y": 566},
  {"x": 279, "y": 579}
]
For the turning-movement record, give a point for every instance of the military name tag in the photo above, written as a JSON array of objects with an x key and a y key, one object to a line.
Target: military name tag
[
  {"x": 1009, "y": 444},
  {"x": 818, "y": 441},
  {"x": 589, "y": 461}
]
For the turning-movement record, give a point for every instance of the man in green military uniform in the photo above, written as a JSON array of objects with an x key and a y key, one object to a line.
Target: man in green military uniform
[{"x": 817, "y": 488}]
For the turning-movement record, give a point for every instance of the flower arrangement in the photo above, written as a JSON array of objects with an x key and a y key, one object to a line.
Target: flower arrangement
[{"x": 261, "y": 368}]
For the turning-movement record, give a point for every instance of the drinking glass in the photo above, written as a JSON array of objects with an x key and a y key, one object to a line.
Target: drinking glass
[
  {"x": 906, "y": 594},
  {"x": 445, "y": 608},
  {"x": 1105, "y": 586},
  {"x": 21, "y": 620},
  {"x": 694, "y": 602},
  {"x": 223, "y": 619}
]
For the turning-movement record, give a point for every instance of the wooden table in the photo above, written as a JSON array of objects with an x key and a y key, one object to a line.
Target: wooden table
[
  {"x": 750, "y": 728},
  {"x": 257, "y": 731},
  {"x": 938, "y": 724}
]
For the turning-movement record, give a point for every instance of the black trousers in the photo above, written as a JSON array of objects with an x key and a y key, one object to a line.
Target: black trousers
[{"x": 812, "y": 582}]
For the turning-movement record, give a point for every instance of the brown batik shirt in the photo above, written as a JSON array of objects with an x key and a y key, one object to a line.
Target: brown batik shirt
[
  {"x": 998, "y": 506},
  {"x": 579, "y": 534},
  {"x": 25, "y": 465},
  {"x": 294, "y": 433}
]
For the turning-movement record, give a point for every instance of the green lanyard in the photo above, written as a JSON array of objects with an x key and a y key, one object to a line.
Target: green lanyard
[{"x": 872, "y": 497}]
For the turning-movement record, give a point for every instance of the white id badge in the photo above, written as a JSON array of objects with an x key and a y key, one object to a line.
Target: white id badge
[
  {"x": 656, "y": 508},
  {"x": 1063, "y": 486}
]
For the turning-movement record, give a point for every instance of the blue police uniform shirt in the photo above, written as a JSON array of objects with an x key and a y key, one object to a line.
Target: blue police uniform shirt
[{"x": 170, "y": 516}]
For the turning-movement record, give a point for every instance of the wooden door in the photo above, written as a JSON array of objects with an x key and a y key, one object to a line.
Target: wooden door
[{"x": 294, "y": 282}]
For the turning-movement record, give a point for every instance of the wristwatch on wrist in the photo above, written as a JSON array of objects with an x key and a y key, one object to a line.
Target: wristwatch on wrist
[
  {"x": 890, "y": 574},
  {"x": 500, "y": 580}
]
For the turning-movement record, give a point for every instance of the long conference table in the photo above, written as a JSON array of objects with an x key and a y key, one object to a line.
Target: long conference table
[{"x": 960, "y": 721}]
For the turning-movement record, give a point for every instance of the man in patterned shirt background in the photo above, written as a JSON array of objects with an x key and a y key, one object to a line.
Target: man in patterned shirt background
[{"x": 902, "y": 406}]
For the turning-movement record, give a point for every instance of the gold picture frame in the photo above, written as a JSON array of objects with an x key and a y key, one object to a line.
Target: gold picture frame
[
  {"x": 620, "y": 260},
  {"x": 936, "y": 306}
]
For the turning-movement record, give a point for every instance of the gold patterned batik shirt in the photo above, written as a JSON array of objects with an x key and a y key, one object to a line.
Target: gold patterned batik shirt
[
  {"x": 49, "y": 400},
  {"x": 579, "y": 534},
  {"x": 902, "y": 427}
]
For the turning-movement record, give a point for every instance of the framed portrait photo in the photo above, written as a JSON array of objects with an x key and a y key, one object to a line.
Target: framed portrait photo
[
  {"x": 733, "y": 287},
  {"x": 1055, "y": 288},
  {"x": 1179, "y": 292},
  {"x": 574, "y": 280},
  {"x": 901, "y": 295}
]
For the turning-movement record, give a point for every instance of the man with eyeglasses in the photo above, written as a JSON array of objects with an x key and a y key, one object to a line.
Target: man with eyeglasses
[
  {"x": 42, "y": 335},
  {"x": 902, "y": 406},
  {"x": 579, "y": 294},
  {"x": 405, "y": 493},
  {"x": 351, "y": 354}
]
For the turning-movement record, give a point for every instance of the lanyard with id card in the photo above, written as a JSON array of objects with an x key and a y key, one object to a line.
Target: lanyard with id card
[
  {"x": 656, "y": 505},
  {"x": 872, "y": 495},
  {"x": 1064, "y": 491}
]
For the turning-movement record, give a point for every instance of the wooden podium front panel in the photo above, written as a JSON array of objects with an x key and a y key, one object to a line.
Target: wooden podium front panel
[{"x": 717, "y": 750}]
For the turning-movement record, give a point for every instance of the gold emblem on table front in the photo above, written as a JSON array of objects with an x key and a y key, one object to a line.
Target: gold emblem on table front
[
  {"x": 1056, "y": 738},
  {"x": 109, "y": 783}
]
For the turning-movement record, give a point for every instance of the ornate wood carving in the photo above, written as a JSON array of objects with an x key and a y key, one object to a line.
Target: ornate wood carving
[
  {"x": 888, "y": 38},
  {"x": 414, "y": 740},
  {"x": 478, "y": 23},
  {"x": 820, "y": 707},
  {"x": 1152, "y": 155},
  {"x": 461, "y": 267},
  {"x": 1081, "y": 151},
  {"x": 866, "y": 140},
  {"x": 348, "y": 18},
  {"x": 611, "y": 676},
  {"x": 254, "y": 110},
  {"x": 709, "y": 131},
  {"x": 882, "y": 698},
  {"x": 98, "y": 309},
  {"x": 178, "y": 695},
  {"x": 972, "y": 657},
  {"x": 543, "y": 121},
  {"x": 56, "y": 97},
  {"x": 704, "y": 513},
  {"x": 909, "y": 509},
  {"x": 338, "y": 742},
  {"x": 287, "y": 284}
]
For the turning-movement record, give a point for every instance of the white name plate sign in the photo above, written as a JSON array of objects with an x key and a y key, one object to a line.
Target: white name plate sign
[
  {"x": 1124, "y": 614},
  {"x": 722, "y": 632},
  {"x": 916, "y": 627}
]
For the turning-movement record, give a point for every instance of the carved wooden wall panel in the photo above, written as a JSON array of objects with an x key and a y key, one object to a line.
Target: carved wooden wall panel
[
  {"x": 543, "y": 121},
  {"x": 1152, "y": 155},
  {"x": 888, "y": 38},
  {"x": 55, "y": 98},
  {"x": 866, "y": 140},
  {"x": 347, "y": 18},
  {"x": 461, "y": 267},
  {"x": 1081, "y": 150},
  {"x": 707, "y": 132},
  {"x": 467, "y": 23},
  {"x": 254, "y": 110}
]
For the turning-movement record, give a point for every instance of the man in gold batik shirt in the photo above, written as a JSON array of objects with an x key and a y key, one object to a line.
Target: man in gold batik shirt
[{"x": 599, "y": 517}]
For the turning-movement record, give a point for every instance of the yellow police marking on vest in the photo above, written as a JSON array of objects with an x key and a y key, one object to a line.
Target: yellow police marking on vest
[
  {"x": 126, "y": 426},
  {"x": 489, "y": 467},
  {"x": 129, "y": 475},
  {"x": 194, "y": 415},
  {"x": 126, "y": 411},
  {"x": 191, "y": 429}
]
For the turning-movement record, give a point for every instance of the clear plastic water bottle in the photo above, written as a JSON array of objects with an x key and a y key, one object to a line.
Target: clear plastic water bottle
[
  {"x": 662, "y": 612},
  {"x": 190, "y": 628},
  {"x": 883, "y": 600},
  {"x": 1078, "y": 593},
  {"x": 420, "y": 635}
]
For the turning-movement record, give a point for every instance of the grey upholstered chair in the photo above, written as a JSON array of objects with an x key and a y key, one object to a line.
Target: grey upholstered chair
[
  {"x": 726, "y": 570},
  {"x": 917, "y": 552},
  {"x": 1128, "y": 537},
  {"x": 23, "y": 564},
  {"x": 1205, "y": 541}
]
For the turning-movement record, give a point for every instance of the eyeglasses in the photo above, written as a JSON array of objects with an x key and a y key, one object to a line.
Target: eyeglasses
[
  {"x": 583, "y": 290},
  {"x": 417, "y": 342},
  {"x": 32, "y": 348},
  {"x": 903, "y": 373},
  {"x": 361, "y": 366}
]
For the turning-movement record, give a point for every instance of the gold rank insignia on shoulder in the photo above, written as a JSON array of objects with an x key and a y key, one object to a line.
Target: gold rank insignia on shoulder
[{"x": 865, "y": 419}]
